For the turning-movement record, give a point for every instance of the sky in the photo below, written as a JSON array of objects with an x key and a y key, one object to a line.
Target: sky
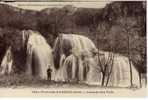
[
  {"x": 82, "y": 3},
  {"x": 41, "y": 5}
]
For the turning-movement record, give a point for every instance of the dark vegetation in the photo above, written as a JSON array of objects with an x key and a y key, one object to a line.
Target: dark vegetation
[{"x": 110, "y": 28}]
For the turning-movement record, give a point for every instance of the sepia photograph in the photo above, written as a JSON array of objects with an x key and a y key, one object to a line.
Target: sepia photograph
[{"x": 88, "y": 48}]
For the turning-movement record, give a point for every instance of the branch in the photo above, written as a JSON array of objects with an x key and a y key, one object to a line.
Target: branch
[{"x": 112, "y": 63}]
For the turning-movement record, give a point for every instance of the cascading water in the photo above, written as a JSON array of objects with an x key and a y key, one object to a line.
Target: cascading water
[
  {"x": 39, "y": 55},
  {"x": 78, "y": 44},
  {"x": 7, "y": 62},
  {"x": 82, "y": 63},
  {"x": 120, "y": 75}
]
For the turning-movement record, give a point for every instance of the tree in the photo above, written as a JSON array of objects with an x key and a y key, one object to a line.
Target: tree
[
  {"x": 105, "y": 63},
  {"x": 130, "y": 28}
]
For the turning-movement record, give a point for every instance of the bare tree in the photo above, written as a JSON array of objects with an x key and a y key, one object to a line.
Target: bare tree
[
  {"x": 105, "y": 63},
  {"x": 111, "y": 67},
  {"x": 129, "y": 28}
]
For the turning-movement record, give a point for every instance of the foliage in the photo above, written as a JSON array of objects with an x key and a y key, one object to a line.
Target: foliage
[{"x": 105, "y": 26}]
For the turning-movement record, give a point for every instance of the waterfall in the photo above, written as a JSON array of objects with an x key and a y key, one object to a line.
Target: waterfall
[
  {"x": 120, "y": 75},
  {"x": 82, "y": 63},
  {"x": 39, "y": 54},
  {"x": 73, "y": 62},
  {"x": 7, "y": 62}
]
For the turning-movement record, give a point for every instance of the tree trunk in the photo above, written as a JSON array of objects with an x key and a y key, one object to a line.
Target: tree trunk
[
  {"x": 129, "y": 57},
  {"x": 112, "y": 63},
  {"x": 103, "y": 79},
  {"x": 140, "y": 79},
  {"x": 131, "y": 75}
]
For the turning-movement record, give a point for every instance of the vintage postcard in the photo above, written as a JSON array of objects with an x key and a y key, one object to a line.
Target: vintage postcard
[{"x": 71, "y": 48}]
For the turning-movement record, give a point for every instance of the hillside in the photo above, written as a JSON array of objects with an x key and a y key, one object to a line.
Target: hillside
[{"x": 107, "y": 27}]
